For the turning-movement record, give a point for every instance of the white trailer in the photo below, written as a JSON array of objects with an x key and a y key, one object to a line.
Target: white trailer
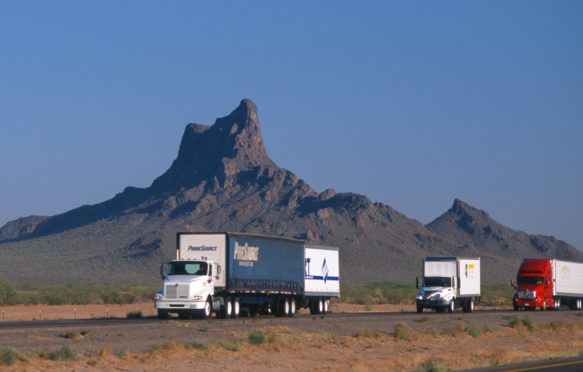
[
  {"x": 449, "y": 282},
  {"x": 568, "y": 282}
]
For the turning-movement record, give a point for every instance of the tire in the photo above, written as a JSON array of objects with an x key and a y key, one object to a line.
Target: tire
[
  {"x": 471, "y": 306},
  {"x": 579, "y": 305},
  {"x": 236, "y": 308},
  {"x": 451, "y": 307},
  {"x": 558, "y": 304},
  {"x": 284, "y": 306},
  {"x": 317, "y": 306},
  {"x": 419, "y": 308},
  {"x": 162, "y": 314},
  {"x": 206, "y": 312},
  {"x": 292, "y": 307},
  {"x": 326, "y": 307},
  {"x": 544, "y": 306},
  {"x": 228, "y": 312}
]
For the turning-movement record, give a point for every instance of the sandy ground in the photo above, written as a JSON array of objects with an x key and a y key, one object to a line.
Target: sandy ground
[
  {"x": 46, "y": 312},
  {"x": 375, "y": 342}
]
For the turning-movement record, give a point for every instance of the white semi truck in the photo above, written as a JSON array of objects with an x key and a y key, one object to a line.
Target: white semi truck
[
  {"x": 227, "y": 272},
  {"x": 449, "y": 282}
]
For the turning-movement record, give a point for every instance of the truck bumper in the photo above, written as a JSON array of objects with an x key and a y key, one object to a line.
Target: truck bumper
[
  {"x": 173, "y": 305},
  {"x": 530, "y": 303},
  {"x": 439, "y": 304}
]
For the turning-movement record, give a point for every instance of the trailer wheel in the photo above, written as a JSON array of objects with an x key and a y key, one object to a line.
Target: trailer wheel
[
  {"x": 228, "y": 311},
  {"x": 317, "y": 307},
  {"x": 557, "y": 304},
  {"x": 579, "y": 304},
  {"x": 236, "y": 308},
  {"x": 326, "y": 303},
  {"x": 283, "y": 307},
  {"x": 292, "y": 307},
  {"x": 162, "y": 314}
]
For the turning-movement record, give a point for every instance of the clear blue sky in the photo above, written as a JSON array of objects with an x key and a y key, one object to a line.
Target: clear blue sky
[{"x": 409, "y": 103}]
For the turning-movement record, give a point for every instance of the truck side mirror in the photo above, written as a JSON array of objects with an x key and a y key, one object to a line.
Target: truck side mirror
[
  {"x": 512, "y": 282},
  {"x": 162, "y": 275}
]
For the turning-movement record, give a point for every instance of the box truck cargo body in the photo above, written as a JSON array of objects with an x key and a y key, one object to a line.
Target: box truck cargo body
[
  {"x": 449, "y": 282},
  {"x": 547, "y": 284},
  {"x": 262, "y": 274}
]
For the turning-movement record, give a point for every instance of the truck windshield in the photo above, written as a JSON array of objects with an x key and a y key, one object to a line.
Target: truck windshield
[
  {"x": 530, "y": 279},
  {"x": 187, "y": 268},
  {"x": 435, "y": 281}
]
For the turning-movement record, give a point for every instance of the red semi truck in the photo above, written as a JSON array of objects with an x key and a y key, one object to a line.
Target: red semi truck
[{"x": 547, "y": 284}]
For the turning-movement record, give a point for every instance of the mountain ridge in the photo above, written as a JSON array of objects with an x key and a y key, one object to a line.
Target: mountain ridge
[{"x": 223, "y": 180}]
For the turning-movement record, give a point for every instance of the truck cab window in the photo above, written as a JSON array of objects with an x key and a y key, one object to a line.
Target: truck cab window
[{"x": 530, "y": 279}]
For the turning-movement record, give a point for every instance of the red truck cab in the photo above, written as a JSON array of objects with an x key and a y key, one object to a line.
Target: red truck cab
[{"x": 534, "y": 285}]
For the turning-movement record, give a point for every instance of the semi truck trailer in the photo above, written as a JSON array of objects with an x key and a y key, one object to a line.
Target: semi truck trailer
[
  {"x": 225, "y": 273},
  {"x": 449, "y": 282},
  {"x": 547, "y": 284}
]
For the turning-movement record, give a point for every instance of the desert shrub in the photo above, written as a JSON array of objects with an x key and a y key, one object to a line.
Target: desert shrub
[
  {"x": 200, "y": 345},
  {"x": 78, "y": 294},
  {"x": 473, "y": 331},
  {"x": 497, "y": 295},
  {"x": 70, "y": 335},
  {"x": 257, "y": 338},
  {"x": 63, "y": 353},
  {"x": 8, "y": 293},
  {"x": 515, "y": 322},
  {"x": 9, "y": 355},
  {"x": 229, "y": 346},
  {"x": 432, "y": 365},
  {"x": 402, "y": 331},
  {"x": 379, "y": 293}
]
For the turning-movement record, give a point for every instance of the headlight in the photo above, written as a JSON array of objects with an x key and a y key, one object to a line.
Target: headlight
[
  {"x": 158, "y": 296},
  {"x": 419, "y": 297},
  {"x": 197, "y": 298}
]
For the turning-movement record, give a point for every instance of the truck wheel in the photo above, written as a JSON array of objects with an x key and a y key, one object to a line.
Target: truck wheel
[
  {"x": 451, "y": 307},
  {"x": 284, "y": 307},
  {"x": 557, "y": 304},
  {"x": 236, "y": 308},
  {"x": 205, "y": 313},
  {"x": 292, "y": 307},
  {"x": 162, "y": 314},
  {"x": 579, "y": 304},
  {"x": 544, "y": 306},
  {"x": 471, "y": 305},
  {"x": 419, "y": 308},
  {"x": 228, "y": 309},
  {"x": 326, "y": 303},
  {"x": 316, "y": 307}
]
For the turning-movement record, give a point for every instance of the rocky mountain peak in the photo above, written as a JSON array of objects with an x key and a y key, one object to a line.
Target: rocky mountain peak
[{"x": 231, "y": 145}]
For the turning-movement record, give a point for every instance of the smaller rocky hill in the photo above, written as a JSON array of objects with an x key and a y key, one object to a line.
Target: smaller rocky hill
[{"x": 501, "y": 248}]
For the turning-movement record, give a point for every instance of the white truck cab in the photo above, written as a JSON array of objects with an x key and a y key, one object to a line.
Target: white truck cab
[
  {"x": 449, "y": 282},
  {"x": 188, "y": 287}
]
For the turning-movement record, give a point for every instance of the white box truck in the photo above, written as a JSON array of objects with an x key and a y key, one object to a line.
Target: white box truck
[
  {"x": 226, "y": 272},
  {"x": 449, "y": 282},
  {"x": 547, "y": 283}
]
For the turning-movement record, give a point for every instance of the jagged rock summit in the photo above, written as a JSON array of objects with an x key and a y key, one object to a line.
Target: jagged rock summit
[
  {"x": 219, "y": 152},
  {"x": 223, "y": 180}
]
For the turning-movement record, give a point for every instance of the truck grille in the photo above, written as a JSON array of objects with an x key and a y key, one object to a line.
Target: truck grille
[
  {"x": 526, "y": 294},
  {"x": 176, "y": 291}
]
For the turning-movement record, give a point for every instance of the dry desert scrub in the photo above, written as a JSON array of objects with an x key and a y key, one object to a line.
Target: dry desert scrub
[{"x": 285, "y": 349}]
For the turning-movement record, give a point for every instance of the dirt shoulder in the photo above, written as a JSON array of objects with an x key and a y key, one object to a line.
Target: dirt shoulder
[{"x": 369, "y": 342}]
